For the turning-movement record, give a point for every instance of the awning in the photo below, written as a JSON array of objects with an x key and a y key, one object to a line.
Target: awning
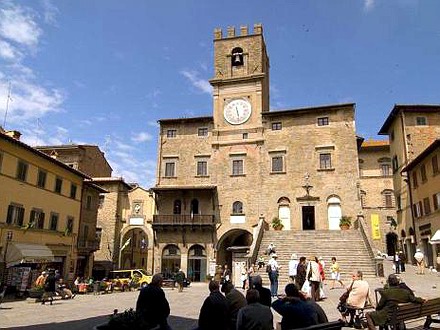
[
  {"x": 19, "y": 253},
  {"x": 436, "y": 238}
]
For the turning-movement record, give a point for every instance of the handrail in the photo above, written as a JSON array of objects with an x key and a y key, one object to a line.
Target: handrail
[
  {"x": 183, "y": 219},
  {"x": 369, "y": 245},
  {"x": 255, "y": 246}
]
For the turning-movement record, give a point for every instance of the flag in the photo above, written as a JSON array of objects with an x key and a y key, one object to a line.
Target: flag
[
  {"x": 126, "y": 243},
  {"x": 143, "y": 244}
]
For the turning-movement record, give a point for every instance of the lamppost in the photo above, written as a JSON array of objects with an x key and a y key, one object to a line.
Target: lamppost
[{"x": 9, "y": 235}]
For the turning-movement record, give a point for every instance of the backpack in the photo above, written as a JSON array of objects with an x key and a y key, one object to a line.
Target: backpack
[{"x": 268, "y": 268}]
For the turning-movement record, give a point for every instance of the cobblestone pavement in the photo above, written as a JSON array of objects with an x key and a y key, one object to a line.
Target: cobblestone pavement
[{"x": 86, "y": 311}]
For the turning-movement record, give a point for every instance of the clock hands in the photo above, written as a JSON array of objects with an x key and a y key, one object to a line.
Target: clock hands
[{"x": 238, "y": 114}]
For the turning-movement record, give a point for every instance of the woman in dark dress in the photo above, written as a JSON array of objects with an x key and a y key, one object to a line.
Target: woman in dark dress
[{"x": 301, "y": 272}]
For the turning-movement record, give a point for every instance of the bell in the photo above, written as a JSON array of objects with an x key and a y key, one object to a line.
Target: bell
[{"x": 237, "y": 59}]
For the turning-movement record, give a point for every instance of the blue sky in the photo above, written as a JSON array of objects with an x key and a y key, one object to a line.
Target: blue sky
[{"x": 103, "y": 72}]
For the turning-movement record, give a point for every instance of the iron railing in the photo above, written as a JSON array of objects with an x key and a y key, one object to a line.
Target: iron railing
[{"x": 183, "y": 219}]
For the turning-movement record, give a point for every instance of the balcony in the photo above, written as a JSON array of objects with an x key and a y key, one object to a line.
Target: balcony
[{"x": 179, "y": 221}]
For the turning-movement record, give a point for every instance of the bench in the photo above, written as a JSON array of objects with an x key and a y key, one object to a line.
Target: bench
[{"x": 411, "y": 311}]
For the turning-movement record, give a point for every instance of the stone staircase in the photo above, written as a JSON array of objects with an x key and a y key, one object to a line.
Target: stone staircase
[{"x": 347, "y": 246}]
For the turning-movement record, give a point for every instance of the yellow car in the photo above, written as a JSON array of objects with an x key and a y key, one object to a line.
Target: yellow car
[{"x": 129, "y": 278}]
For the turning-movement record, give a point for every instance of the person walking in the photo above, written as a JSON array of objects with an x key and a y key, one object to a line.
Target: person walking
[
  {"x": 420, "y": 259},
  {"x": 226, "y": 276},
  {"x": 49, "y": 288},
  {"x": 152, "y": 305},
  {"x": 321, "y": 265},
  {"x": 265, "y": 294},
  {"x": 41, "y": 279},
  {"x": 180, "y": 278},
  {"x": 214, "y": 312},
  {"x": 273, "y": 274},
  {"x": 301, "y": 273},
  {"x": 293, "y": 266},
  {"x": 254, "y": 315},
  {"x": 335, "y": 273},
  {"x": 314, "y": 277}
]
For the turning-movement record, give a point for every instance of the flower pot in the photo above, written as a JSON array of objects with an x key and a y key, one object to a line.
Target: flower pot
[{"x": 344, "y": 227}]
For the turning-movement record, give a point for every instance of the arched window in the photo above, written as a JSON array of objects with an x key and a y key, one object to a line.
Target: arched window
[
  {"x": 170, "y": 260},
  {"x": 237, "y": 208},
  {"x": 177, "y": 208},
  {"x": 237, "y": 57},
  {"x": 334, "y": 212},
  {"x": 388, "y": 198}
]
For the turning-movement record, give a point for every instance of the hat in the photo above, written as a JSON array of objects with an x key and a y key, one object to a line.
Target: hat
[
  {"x": 418, "y": 250},
  {"x": 274, "y": 255},
  {"x": 44, "y": 273}
]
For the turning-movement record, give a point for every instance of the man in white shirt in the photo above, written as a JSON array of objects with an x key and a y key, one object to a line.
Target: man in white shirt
[
  {"x": 293, "y": 265},
  {"x": 273, "y": 275},
  {"x": 420, "y": 259}
]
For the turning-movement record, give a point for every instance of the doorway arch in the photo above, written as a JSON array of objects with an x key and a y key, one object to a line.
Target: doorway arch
[
  {"x": 170, "y": 260},
  {"x": 334, "y": 212},
  {"x": 234, "y": 237},
  {"x": 197, "y": 263},
  {"x": 284, "y": 212},
  {"x": 391, "y": 242},
  {"x": 134, "y": 245}
]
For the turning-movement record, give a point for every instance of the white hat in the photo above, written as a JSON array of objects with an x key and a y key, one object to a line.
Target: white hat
[
  {"x": 274, "y": 255},
  {"x": 418, "y": 250}
]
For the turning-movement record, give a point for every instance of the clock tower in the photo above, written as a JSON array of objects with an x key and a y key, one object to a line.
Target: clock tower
[{"x": 241, "y": 80}]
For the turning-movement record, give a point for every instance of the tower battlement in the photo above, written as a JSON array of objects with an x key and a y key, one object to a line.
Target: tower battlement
[{"x": 218, "y": 33}]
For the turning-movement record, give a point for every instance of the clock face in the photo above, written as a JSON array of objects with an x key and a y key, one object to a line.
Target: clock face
[{"x": 237, "y": 111}]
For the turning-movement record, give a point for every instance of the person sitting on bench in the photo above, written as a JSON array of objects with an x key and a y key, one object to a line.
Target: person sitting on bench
[{"x": 390, "y": 298}]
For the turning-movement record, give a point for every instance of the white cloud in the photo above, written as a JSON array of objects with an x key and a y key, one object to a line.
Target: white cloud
[
  {"x": 17, "y": 24},
  {"x": 50, "y": 12},
  {"x": 201, "y": 84},
  {"x": 141, "y": 137},
  {"x": 369, "y": 4},
  {"x": 122, "y": 146},
  {"x": 8, "y": 52},
  {"x": 153, "y": 123}
]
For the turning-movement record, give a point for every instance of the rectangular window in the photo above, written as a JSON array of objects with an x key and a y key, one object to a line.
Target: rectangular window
[
  {"x": 419, "y": 206},
  {"x": 325, "y": 161},
  {"x": 15, "y": 215},
  {"x": 36, "y": 219},
  {"x": 171, "y": 133},
  {"x": 22, "y": 169},
  {"x": 170, "y": 169},
  {"x": 53, "y": 225},
  {"x": 202, "y": 168},
  {"x": 388, "y": 200},
  {"x": 436, "y": 200},
  {"x": 237, "y": 167},
  {"x": 41, "y": 181},
  {"x": 69, "y": 225},
  {"x": 58, "y": 185},
  {"x": 323, "y": 121},
  {"x": 426, "y": 205},
  {"x": 423, "y": 172},
  {"x": 415, "y": 183},
  {"x": 385, "y": 169},
  {"x": 434, "y": 162},
  {"x": 89, "y": 202},
  {"x": 395, "y": 164},
  {"x": 417, "y": 210},
  {"x": 277, "y": 126},
  {"x": 421, "y": 121},
  {"x": 277, "y": 164},
  {"x": 245, "y": 136},
  {"x": 73, "y": 189},
  {"x": 101, "y": 201},
  {"x": 202, "y": 131}
]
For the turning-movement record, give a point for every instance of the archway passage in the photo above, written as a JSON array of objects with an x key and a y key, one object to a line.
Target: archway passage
[
  {"x": 391, "y": 241},
  {"x": 134, "y": 249},
  {"x": 197, "y": 263},
  {"x": 170, "y": 260},
  {"x": 233, "y": 238}
]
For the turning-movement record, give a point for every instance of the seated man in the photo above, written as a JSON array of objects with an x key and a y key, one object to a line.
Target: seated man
[
  {"x": 358, "y": 296},
  {"x": 390, "y": 297}
]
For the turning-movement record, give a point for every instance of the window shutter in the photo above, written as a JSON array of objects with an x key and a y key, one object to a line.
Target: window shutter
[
  {"x": 32, "y": 218},
  {"x": 10, "y": 214},
  {"x": 20, "y": 216}
]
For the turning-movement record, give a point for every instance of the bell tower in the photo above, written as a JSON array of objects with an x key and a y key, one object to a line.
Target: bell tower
[{"x": 241, "y": 78}]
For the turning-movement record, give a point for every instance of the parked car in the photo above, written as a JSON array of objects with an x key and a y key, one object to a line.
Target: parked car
[{"x": 125, "y": 279}]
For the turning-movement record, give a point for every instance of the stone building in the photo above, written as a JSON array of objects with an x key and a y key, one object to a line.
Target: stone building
[
  {"x": 377, "y": 194},
  {"x": 410, "y": 129},
  {"x": 40, "y": 208},
  {"x": 220, "y": 175},
  {"x": 424, "y": 190}
]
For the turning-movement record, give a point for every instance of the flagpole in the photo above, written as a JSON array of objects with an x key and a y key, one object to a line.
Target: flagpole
[{"x": 8, "y": 98}]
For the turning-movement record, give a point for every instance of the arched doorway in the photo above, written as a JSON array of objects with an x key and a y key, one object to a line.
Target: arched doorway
[
  {"x": 170, "y": 260},
  {"x": 196, "y": 263},
  {"x": 284, "y": 212},
  {"x": 334, "y": 212},
  {"x": 134, "y": 249},
  {"x": 391, "y": 241},
  {"x": 231, "y": 251}
]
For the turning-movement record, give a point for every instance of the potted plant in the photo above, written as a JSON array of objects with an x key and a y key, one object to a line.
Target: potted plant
[
  {"x": 345, "y": 222},
  {"x": 277, "y": 224},
  {"x": 36, "y": 292},
  {"x": 129, "y": 320}
]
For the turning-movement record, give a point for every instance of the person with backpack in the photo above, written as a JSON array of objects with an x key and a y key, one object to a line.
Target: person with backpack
[{"x": 273, "y": 272}]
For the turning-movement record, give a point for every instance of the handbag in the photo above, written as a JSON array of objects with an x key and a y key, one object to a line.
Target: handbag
[
  {"x": 268, "y": 268},
  {"x": 306, "y": 288},
  {"x": 343, "y": 298}
]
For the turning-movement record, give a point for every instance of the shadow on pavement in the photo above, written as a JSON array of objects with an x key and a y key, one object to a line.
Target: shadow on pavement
[{"x": 176, "y": 323}]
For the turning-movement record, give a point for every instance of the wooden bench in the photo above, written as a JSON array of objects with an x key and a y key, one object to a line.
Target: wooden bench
[{"x": 411, "y": 311}]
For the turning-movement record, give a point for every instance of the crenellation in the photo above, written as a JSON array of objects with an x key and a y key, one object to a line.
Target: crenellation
[
  {"x": 218, "y": 34},
  {"x": 244, "y": 30},
  {"x": 258, "y": 28},
  {"x": 231, "y": 31}
]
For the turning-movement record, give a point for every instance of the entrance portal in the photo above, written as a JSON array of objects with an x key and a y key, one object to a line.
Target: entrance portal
[
  {"x": 233, "y": 238},
  {"x": 197, "y": 264},
  {"x": 308, "y": 217}
]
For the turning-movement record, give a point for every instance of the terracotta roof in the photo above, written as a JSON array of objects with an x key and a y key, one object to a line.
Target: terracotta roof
[{"x": 375, "y": 143}]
